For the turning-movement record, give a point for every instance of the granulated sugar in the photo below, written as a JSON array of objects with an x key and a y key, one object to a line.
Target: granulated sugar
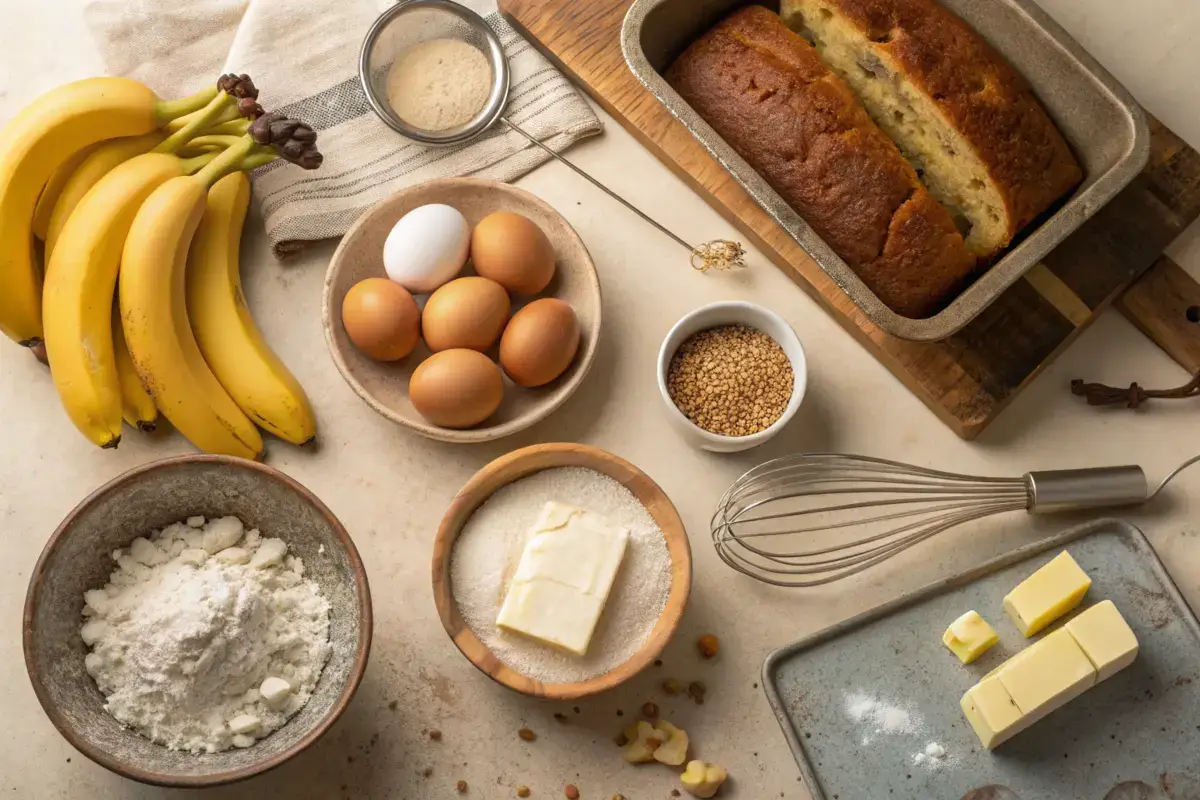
[{"x": 489, "y": 547}]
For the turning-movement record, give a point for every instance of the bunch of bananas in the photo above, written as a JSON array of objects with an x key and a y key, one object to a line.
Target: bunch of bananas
[{"x": 118, "y": 184}]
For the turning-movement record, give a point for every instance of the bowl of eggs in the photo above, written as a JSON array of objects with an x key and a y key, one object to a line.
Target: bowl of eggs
[{"x": 463, "y": 309}]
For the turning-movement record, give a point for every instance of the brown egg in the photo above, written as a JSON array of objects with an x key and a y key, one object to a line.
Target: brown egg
[
  {"x": 467, "y": 312},
  {"x": 513, "y": 252},
  {"x": 540, "y": 342},
  {"x": 456, "y": 388},
  {"x": 382, "y": 319}
]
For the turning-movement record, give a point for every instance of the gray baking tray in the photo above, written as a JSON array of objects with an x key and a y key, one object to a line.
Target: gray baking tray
[
  {"x": 1104, "y": 125},
  {"x": 859, "y": 701}
]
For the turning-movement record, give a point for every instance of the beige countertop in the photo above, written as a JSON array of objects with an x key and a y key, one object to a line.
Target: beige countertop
[{"x": 390, "y": 487}]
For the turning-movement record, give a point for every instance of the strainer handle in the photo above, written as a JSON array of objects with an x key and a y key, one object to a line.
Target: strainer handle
[{"x": 1078, "y": 489}]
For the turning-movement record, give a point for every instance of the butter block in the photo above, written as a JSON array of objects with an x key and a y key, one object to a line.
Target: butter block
[
  {"x": 992, "y": 713},
  {"x": 1105, "y": 638},
  {"x": 1037, "y": 681},
  {"x": 1049, "y": 674},
  {"x": 1047, "y": 594},
  {"x": 969, "y": 637},
  {"x": 564, "y": 577}
]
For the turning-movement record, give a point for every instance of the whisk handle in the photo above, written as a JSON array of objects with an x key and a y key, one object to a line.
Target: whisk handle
[{"x": 1079, "y": 489}]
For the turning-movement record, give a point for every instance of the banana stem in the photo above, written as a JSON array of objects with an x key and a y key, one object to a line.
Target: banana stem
[
  {"x": 167, "y": 110},
  {"x": 230, "y": 114},
  {"x": 197, "y": 124},
  {"x": 237, "y": 127},
  {"x": 210, "y": 140},
  {"x": 258, "y": 158},
  {"x": 196, "y": 163},
  {"x": 228, "y": 161}
]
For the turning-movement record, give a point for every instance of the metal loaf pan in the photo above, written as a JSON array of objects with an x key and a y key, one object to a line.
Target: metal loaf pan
[{"x": 1104, "y": 125}]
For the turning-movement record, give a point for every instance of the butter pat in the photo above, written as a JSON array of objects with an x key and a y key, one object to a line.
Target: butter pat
[
  {"x": 969, "y": 637},
  {"x": 992, "y": 713},
  {"x": 1047, "y": 594},
  {"x": 1105, "y": 638},
  {"x": 564, "y": 577}
]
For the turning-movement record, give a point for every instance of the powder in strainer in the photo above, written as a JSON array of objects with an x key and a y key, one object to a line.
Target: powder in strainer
[
  {"x": 487, "y": 551},
  {"x": 439, "y": 84}
]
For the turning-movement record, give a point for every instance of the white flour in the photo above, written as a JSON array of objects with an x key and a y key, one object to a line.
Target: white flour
[
  {"x": 439, "y": 84},
  {"x": 934, "y": 756},
  {"x": 192, "y": 622},
  {"x": 490, "y": 545},
  {"x": 877, "y": 717}
]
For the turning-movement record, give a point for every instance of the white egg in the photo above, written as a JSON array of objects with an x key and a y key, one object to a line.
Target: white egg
[{"x": 427, "y": 247}]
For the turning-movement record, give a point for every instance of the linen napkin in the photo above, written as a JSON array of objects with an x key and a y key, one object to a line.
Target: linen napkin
[{"x": 303, "y": 56}]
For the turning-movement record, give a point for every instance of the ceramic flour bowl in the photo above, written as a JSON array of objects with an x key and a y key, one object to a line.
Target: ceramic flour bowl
[
  {"x": 384, "y": 385},
  {"x": 520, "y": 464},
  {"x": 78, "y": 557}
]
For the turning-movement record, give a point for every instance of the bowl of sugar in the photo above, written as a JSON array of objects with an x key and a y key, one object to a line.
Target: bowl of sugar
[
  {"x": 561, "y": 571},
  {"x": 197, "y": 621}
]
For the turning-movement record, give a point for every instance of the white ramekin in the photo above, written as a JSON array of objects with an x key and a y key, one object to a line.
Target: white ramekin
[{"x": 732, "y": 312}]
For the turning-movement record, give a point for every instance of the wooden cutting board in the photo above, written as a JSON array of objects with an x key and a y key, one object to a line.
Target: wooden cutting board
[{"x": 969, "y": 379}]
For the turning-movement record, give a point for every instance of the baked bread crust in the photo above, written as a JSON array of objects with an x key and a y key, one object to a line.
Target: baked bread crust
[
  {"x": 977, "y": 92},
  {"x": 767, "y": 93}
]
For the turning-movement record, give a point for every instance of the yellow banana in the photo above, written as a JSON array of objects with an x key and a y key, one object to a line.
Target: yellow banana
[
  {"x": 52, "y": 190},
  {"x": 231, "y": 343},
  {"x": 35, "y": 143},
  {"x": 98, "y": 163},
  {"x": 81, "y": 280},
  {"x": 137, "y": 406},
  {"x": 154, "y": 317}
]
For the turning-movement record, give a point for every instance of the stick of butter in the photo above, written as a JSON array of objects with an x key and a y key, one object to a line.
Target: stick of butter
[
  {"x": 564, "y": 577},
  {"x": 1049, "y": 674},
  {"x": 1047, "y": 594},
  {"x": 969, "y": 637}
]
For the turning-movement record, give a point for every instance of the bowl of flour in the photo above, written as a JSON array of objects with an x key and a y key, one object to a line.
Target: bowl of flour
[{"x": 197, "y": 621}]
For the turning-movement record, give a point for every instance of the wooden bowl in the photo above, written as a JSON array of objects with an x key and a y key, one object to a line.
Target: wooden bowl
[
  {"x": 514, "y": 466},
  {"x": 384, "y": 385},
  {"x": 78, "y": 557}
]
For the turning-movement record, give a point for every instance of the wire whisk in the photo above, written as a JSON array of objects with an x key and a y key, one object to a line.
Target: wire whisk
[{"x": 812, "y": 519}]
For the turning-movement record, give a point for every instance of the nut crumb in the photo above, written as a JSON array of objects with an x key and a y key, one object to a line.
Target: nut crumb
[
  {"x": 570, "y": 792},
  {"x": 522, "y": 791},
  {"x": 560, "y": 717},
  {"x": 697, "y": 690},
  {"x": 672, "y": 686},
  {"x": 435, "y": 735},
  {"x": 392, "y": 706},
  {"x": 708, "y": 645},
  {"x": 617, "y": 797},
  {"x": 527, "y": 735},
  {"x": 461, "y": 786},
  {"x": 649, "y": 710}
]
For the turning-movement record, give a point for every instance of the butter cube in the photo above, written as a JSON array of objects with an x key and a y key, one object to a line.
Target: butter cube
[
  {"x": 1048, "y": 675},
  {"x": 1047, "y": 594},
  {"x": 1105, "y": 637},
  {"x": 969, "y": 637},
  {"x": 564, "y": 577},
  {"x": 992, "y": 713}
]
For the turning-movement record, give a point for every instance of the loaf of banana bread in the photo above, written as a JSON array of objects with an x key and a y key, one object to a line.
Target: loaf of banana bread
[
  {"x": 765, "y": 91},
  {"x": 960, "y": 113}
]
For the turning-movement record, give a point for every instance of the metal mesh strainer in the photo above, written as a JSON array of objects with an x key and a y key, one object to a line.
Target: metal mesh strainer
[{"x": 411, "y": 22}]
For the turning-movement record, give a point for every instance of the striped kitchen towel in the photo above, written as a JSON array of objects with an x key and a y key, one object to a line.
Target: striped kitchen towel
[{"x": 303, "y": 56}]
